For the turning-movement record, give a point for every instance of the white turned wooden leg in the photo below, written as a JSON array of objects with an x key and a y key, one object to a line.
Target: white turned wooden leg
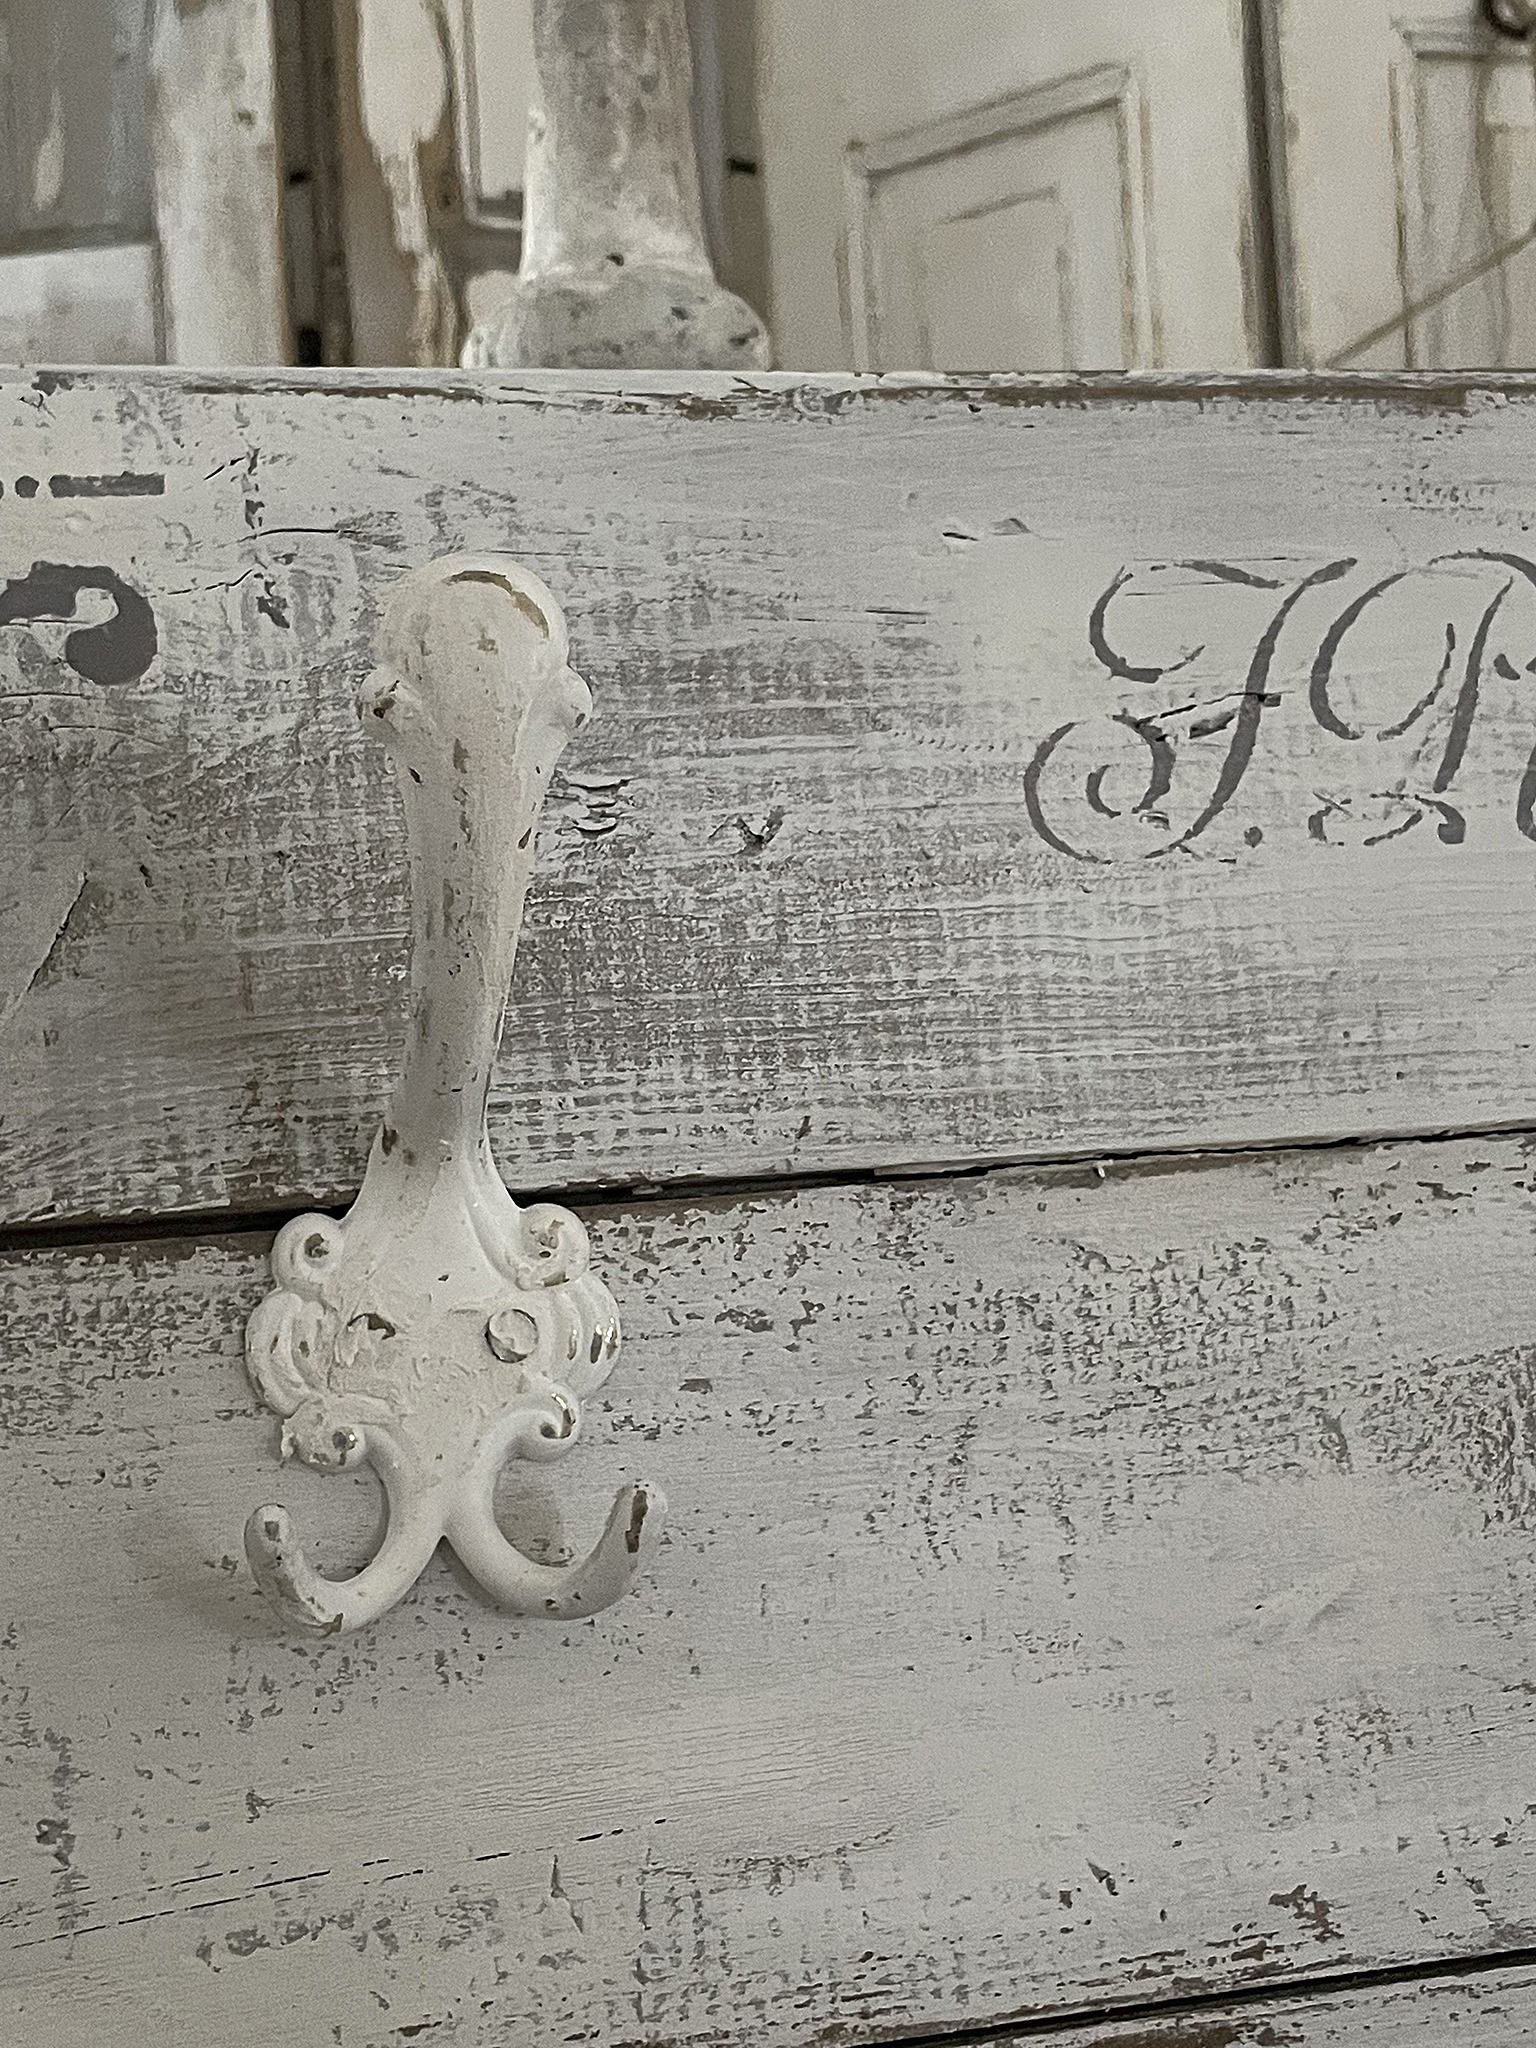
[{"x": 615, "y": 273}]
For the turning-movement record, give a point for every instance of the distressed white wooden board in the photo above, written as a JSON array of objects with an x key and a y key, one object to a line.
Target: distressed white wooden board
[
  {"x": 1075, "y": 1588},
  {"x": 1493, "y": 2008},
  {"x": 795, "y": 912}
]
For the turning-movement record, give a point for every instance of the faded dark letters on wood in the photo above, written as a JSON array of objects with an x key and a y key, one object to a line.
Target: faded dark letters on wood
[{"x": 1150, "y": 776}]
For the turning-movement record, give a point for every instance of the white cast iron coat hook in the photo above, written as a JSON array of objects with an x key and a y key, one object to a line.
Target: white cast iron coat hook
[{"x": 438, "y": 1329}]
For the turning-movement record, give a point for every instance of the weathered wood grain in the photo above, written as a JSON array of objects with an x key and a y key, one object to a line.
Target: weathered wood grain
[
  {"x": 1081, "y": 1586},
  {"x": 803, "y": 904},
  {"x": 1487, "y": 2009}
]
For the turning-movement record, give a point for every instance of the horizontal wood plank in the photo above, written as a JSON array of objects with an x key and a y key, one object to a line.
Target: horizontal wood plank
[
  {"x": 1082, "y": 1584},
  {"x": 1494, "y": 2008},
  {"x": 982, "y": 771}
]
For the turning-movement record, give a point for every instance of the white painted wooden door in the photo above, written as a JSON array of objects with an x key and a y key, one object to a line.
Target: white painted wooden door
[
  {"x": 1013, "y": 185},
  {"x": 1405, "y": 158},
  {"x": 139, "y": 189}
]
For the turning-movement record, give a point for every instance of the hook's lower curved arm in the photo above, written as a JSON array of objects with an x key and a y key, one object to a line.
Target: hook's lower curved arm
[
  {"x": 560, "y": 1592},
  {"x": 543, "y": 1426},
  {"x": 308, "y": 1600}
]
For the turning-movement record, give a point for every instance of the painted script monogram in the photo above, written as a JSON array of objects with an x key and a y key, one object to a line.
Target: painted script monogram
[{"x": 1119, "y": 783}]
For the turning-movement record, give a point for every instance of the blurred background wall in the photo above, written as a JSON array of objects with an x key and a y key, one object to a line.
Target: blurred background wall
[{"x": 894, "y": 184}]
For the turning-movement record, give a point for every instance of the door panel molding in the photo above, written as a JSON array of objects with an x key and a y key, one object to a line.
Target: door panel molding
[
  {"x": 1031, "y": 116},
  {"x": 77, "y": 305},
  {"x": 1481, "y": 320},
  {"x": 1438, "y": 174}
]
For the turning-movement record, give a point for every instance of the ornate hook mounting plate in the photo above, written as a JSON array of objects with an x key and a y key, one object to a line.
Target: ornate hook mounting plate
[{"x": 438, "y": 1329}]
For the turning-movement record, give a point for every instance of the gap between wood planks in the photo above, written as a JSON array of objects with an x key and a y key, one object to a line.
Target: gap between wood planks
[
  {"x": 232, "y": 1222},
  {"x": 1290, "y": 1992}
]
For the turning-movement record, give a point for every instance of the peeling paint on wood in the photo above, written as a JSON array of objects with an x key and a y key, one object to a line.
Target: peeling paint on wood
[
  {"x": 404, "y": 99},
  {"x": 1490, "y": 2008},
  {"x": 982, "y": 769},
  {"x": 78, "y": 279},
  {"x": 1084, "y": 1581}
]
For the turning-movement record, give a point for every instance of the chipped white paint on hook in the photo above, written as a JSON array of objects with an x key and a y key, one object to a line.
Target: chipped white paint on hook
[{"x": 437, "y": 1329}]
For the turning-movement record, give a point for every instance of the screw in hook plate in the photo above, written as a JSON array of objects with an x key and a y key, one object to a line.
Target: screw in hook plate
[{"x": 1514, "y": 18}]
